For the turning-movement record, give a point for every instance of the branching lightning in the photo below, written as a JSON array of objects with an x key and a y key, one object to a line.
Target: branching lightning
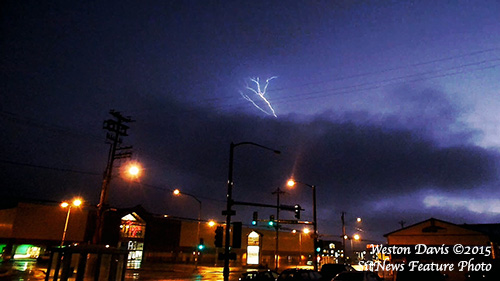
[{"x": 260, "y": 93}]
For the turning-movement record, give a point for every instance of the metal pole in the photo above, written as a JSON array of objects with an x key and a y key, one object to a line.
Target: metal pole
[
  {"x": 229, "y": 203},
  {"x": 276, "y": 250},
  {"x": 300, "y": 247},
  {"x": 198, "y": 236},
  {"x": 196, "y": 250},
  {"x": 276, "y": 254},
  {"x": 315, "y": 228},
  {"x": 65, "y": 226},
  {"x": 343, "y": 236}
]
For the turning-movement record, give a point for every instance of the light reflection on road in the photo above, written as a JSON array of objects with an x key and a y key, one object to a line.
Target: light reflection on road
[
  {"x": 182, "y": 272},
  {"x": 31, "y": 271}
]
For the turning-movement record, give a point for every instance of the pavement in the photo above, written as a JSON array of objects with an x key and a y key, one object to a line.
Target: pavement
[{"x": 32, "y": 271}]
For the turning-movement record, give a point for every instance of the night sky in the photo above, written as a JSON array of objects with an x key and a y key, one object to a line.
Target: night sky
[{"x": 389, "y": 107}]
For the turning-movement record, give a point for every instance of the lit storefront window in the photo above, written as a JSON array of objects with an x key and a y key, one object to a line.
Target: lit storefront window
[
  {"x": 132, "y": 231},
  {"x": 26, "y": 251}
]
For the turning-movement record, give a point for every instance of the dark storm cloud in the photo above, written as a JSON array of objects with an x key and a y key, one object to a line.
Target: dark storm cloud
[
  {"x": 425, "y": 111},
  {"x": 340, "y": 155}
]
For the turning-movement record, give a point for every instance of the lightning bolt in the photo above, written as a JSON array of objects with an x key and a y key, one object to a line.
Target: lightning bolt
[{"x": 260, "y": 93}]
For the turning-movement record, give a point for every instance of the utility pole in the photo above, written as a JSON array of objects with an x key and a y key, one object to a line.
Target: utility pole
[
  {"x": 116, "y": 129},
  {"x": 277, "y": 226},
  {"x": 343, "y": 235}
]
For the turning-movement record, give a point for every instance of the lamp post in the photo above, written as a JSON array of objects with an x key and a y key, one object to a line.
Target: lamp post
[
  {"x": 131, "y": 171},
  {"x": 291, "y": 183},
  {"x": 177, "y": 192},
  {"x": 76, "y": 202},
  {"x": 229, "y": 203},
  {"x": 277, "y": 227}
]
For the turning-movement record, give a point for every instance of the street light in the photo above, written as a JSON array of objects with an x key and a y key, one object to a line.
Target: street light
[
  {"x": 229, "y": 203},
  {"x": 132, "y": 170},
  {"x": 355, "y": 237},
  {"x": 76, "y": 202},
  {"x": 291, "y": 183},
  {"x": 177, "y": 192}
]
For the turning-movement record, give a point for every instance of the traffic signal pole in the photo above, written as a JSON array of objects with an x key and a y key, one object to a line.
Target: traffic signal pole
[
  {"x": 229, "y": 197},
  {"x": 315, "y": 227},
  {"x": 276, "y": 251},
  {"x": 229, "y": 204}
]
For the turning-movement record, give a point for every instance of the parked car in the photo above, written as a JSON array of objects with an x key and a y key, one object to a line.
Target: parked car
[
  {"x": 330, "y": 270},
  {"x": 299, "y": 275},
  {"x": 358, "y": 276},
  {"x": 420, "y": 275},
  {"x": 267, "y": 275}
]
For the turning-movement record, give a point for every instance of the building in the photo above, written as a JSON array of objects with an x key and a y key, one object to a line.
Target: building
[
  {"x": 29, "y": 228},
  {"x": 442, "y": 243}
]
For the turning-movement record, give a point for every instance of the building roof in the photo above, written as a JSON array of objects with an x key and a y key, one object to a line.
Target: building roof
[
  {"x": 491, "y": 230},
  {"x": 430, "y": 229}
]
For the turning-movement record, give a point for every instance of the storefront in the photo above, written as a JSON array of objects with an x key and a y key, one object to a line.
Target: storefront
[{"x": 132, "y": 232}]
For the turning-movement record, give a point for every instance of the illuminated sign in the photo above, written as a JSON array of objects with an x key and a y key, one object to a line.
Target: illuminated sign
[
  {"x": 253, "y": 239},
  {"x": 253, "y": 254},
  {"x": 253, "y": 249}
]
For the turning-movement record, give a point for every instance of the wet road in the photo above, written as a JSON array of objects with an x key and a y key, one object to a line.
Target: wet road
[
  {"x": 180, "y": 272},
  {"x": 31, "y": 271}
]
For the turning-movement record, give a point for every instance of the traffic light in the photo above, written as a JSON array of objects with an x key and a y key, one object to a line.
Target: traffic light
[
  {"x": 255, "y": 218},
  {"x": 236, "y": 235},
  {"x": 219, "y": 235},
  {"x": 201, "y": 245},
  {"x": 318, "y": 245},
  {"x": 271, "y": 220},
  {"x": 297, "y": 210}
]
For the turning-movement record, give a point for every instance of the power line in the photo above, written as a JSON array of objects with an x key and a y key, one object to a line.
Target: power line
[
  {"x": 373, "y": 72},
  {"x": 337, "y": 91},
  {"x": 371, "y": 85},
  {"x": 49, "y": 168},
  {"x": 13, "y": 117},
  {"x": 172, "y": 190}
]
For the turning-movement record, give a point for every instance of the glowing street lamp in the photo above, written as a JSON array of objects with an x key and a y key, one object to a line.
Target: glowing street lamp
[
  {"x": 76, "y": 203},
  {"x": 291, "y": 183},
  {"x": 356, "y": 237},
  {"x": 177, "y": 192},
  {"x": 211, "y": 223},
  {"x": 132, "y": 170}
]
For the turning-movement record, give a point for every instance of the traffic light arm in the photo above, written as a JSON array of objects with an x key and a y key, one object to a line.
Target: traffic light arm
[{"x": 281, "y": 207}]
